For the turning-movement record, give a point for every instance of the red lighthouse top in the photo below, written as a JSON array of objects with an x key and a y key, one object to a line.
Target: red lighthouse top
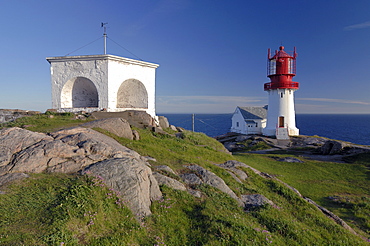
[{"x": 281, "y": 70}]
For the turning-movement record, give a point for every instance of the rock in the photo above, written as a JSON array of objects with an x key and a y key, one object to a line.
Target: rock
[
  {"x": 117, "y": 126},
  {"x": 232, "y": 146},
  {"x": 191, "y": 179},
  {"x": 147, "y": 158},
  {"x": 195, "y": 193},
  {"x": 139, "y": 119},
  {"x": 8, "y": 115},
  {"x": 172, "y": 183},
  {"x": 35, "y": 159},
  {"x": 232, "y": 166},
  {"x": 11, "y": 177},
  {"x": 159, "y": 131},
  {"x": 132, "y": 179},
  {"x": 163, "y": 122},
  {"x": 165, "y": 168},
  {"x": 135, "y": 135},
  {"x": 13, "y": 140},
  {"x": 173, "y": 128},
  {"x": 93, "y": 142},
  {"x": 242, "y": 138},
  {"x": 332, "y": 147},
  {"x": 306, "y": 141},
  {"x": 254, "y": 201},
  {"x": 212, "y": 179},
  {"x": 290, "y": 159},
  {"x": 180, "y": 129},
  {"x": 65, "y": 151}
]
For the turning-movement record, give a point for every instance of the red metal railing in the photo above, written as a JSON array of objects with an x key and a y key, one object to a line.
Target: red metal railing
[{"x": 281, "y": 85}]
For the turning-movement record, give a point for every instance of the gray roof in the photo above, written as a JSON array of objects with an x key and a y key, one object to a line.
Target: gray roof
[{"x": 253, "y": 113}]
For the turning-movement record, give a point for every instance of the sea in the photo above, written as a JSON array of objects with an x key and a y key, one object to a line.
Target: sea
[{"x": 354, "y": 128}]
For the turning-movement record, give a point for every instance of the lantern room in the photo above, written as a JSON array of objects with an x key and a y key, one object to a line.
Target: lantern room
[{"x": 281, "y": 69}]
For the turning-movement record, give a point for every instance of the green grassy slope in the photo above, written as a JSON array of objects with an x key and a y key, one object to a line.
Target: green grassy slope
[{"x": 60, "y": 209}]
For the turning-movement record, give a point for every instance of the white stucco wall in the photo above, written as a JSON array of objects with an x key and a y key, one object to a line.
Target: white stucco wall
[
  {"x": 281, "y": 104},
  {"x": 121, "y": 70},
  {"x": 237, "y": 122},
  {"x": 106, "y": 72}
]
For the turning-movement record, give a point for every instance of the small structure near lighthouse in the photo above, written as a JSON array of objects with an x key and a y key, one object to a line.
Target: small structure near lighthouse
[
  {"x": 281, "y": 112},
  {"x": 102, "y": 82}
]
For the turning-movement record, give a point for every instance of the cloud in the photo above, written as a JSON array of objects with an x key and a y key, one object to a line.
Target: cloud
[
  {"x": 204, "y": 104},
  {"x": 335, "y": 100},
  {"x": 227, "y": 104},
  {"x": 358, "y": 26}
]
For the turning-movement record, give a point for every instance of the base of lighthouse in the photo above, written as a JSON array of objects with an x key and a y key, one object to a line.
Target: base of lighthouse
[{"x": 281, "y": 113}]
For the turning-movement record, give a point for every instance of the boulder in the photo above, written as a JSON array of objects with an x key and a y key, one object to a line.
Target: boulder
[
  {"x": 195, "y": 193},
  {"x": 212, "y": 179},
  {"x": 13, "y": 140},
  {"x": 10, "y": 177},
  {"x": 132, "y": 179},
  {"x": 163, "y": 122},
  {"x": 117, "y": 126},
  {"x": 231, "y": 166},
  {"x": 139, "y": 119},
  {"x": 173, "y": 128},
  {"x": 170, "y": 182},
  {"x": 93, "y": 142},
  {"x": 135, "y": 135},
  {"x": 35, "y": 159},
  {"x": 191, "y": 179},
  {"x": 290, "y": 159},
  {"x": 332, "y": 147},
  {"x": 165, "y": 168},
  {"x": 254, "y": 201},
  {"x": 242, "y": 138},
  {"x": 232, "y": 146},
  {"x": 64, "y": 151}
]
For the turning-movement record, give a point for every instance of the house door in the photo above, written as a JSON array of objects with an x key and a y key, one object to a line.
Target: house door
[{"x": 281, "y": 121}]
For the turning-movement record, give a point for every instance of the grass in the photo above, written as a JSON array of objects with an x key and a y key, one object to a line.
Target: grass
[
  {"x": 78, "y": 210},
  {"x": 50, "y": 209},
  {"x": 193, "y": 148},
  {"x": 45, "y": 122},
  {"x": 321, "y": 181},
  {"x": 57, "y": 208}
]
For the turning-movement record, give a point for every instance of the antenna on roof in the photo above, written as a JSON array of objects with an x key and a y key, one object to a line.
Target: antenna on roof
[{"x": 105, "y": 36}]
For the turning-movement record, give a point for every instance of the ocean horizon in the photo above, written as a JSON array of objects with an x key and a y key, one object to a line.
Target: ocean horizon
[{"x": 354, "y": 128}]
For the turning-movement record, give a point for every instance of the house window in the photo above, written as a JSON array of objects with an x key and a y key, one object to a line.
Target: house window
[
  {"x": 256, "y": 124},
  {"x": 237, "y": 124}
]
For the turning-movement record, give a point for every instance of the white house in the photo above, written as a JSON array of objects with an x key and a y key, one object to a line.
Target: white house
[
  {"x": 102, "y": 82},
  {"x": 249, "y": 120}
]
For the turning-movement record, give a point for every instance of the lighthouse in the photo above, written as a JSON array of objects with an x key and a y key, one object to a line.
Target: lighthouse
[{"x": 281, "y": 114}]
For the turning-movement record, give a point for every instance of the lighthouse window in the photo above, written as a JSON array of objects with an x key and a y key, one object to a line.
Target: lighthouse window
[
  {"x": 281, "y": 95},
  {"x": 291, "y": 66},
  {"x": 272, "y": 67}
]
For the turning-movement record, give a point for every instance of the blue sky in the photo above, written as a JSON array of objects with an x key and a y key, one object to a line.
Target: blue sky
[{"x": 212, "y": 53}]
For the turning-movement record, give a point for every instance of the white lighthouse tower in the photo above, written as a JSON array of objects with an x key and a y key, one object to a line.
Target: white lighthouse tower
[{"x": 281, "y": 114}]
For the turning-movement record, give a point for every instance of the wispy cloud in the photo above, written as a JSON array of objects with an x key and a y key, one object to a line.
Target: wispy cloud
[
  {"x": 358, "y": 26},
  {"x": 335, "y": 100}
]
